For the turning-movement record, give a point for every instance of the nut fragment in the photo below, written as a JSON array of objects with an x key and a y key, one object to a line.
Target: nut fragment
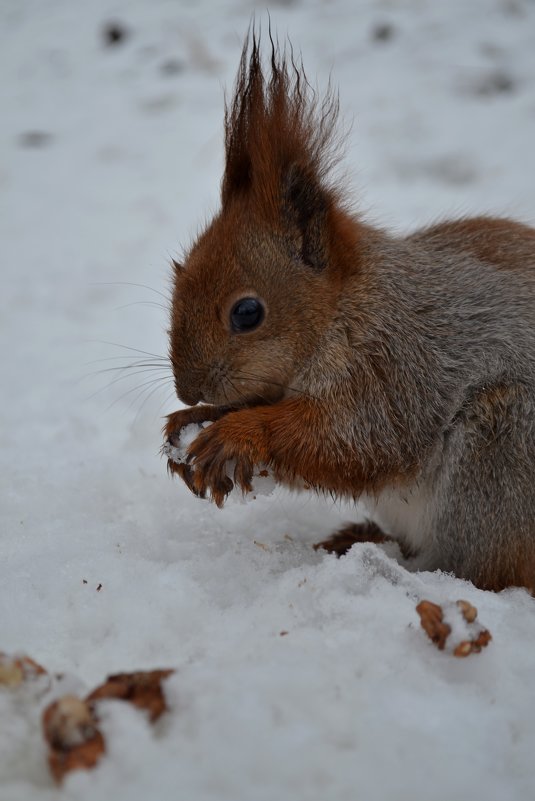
[
  {"x": 68, "y": 722},
  {"x": 467, "y": 647},
  {"x": 469, "y": 635},
  {"x": 468, "y": 611},
  {"x": 74, "y": 740},
  {"x": 14, "y": 670},
  {"x": 432, "y": 621},
  {"x": 11, "y": 674}
]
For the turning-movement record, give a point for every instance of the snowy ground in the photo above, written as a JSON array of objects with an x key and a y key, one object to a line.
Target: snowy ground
[{"x": 110, "y": 158}]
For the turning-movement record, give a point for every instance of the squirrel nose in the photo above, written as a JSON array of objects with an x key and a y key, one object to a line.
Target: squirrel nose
[
  {"x": 186, "y": 391},
  {"x": 188, "y": 386}
]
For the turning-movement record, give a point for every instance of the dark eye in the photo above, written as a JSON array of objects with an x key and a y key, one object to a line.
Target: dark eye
[{"x": 246, "y": 314}]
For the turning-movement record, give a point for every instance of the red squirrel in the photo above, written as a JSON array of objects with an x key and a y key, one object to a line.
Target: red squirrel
[{"x": 395, "y": 370}]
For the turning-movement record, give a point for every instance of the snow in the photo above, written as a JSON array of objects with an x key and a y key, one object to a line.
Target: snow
[
  {"x": 111, "y": 158},
  {"x": 179, "y": 453}
]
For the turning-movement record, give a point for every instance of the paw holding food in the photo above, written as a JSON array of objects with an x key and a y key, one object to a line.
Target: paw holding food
[
  {"x": 201, "y": 449},
  {"x": 176, "y": 450}
]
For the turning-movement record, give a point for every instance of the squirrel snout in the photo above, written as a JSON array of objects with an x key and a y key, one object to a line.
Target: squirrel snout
[
  {"x": 189, "y": 396},
  {"x": 187, "y": 391}
]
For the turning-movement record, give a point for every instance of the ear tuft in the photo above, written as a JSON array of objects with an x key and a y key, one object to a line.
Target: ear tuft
[
  {"x": 177, "y": 266},
  {"x": 276, "y": 119},
  {"x": 305, "y": 212}
]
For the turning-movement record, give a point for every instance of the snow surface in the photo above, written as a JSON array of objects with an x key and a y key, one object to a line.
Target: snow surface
[{"x": 111, "y": 157}]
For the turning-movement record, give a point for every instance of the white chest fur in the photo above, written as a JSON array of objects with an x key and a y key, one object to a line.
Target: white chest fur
[{"x": 404, "y": 513}]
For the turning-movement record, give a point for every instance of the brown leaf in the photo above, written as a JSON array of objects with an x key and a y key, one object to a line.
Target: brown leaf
[
  {"x": 143, "y": 689},
  {"x": 70, "y": 725}
]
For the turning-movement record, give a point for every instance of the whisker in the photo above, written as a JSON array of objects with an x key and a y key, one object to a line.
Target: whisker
[
  {"x": 128, "y": 347},
  {"x": 166, "y": 401},
  {"x": 143, "y": 303},
  {"x": 147, "y": 398},
  {"x": 235, "y": 388},
  {"x": 136, "y": 388},
  {"x": 130, "y": 283},
  {"x": 123, "y": 378},
  {"x": 114, "y": 358},
  {"x": 239, "y": 392},
  {"x": 256, "y": 377},
  {"x": 133, "y": 366}
]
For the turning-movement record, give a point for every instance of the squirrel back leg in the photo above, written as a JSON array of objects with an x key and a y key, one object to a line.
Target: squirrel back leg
[
  {"x": 484, "y": 522},
  {"x": 341, "y": 541}
]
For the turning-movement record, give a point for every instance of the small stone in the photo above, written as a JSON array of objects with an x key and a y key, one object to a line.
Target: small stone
[
  {"x": 114, "y": 33},
  {"x": 383, "y": 32},
  {"x": 34, "y": 139},
  {"x": 172, "y": 66}
]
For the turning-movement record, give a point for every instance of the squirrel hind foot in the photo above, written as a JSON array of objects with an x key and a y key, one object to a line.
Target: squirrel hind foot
[{"x": 341, "y": 541}]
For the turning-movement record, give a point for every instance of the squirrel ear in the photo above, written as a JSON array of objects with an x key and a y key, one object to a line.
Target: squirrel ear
[
  {"x": 305, "y": 210},
  {"x": 178, "y": 267}
]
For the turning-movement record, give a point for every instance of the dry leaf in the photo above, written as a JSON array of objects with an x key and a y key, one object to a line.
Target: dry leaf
[
  {"x": 143, "y": 689},
  {"x": 70, "y": 724}
]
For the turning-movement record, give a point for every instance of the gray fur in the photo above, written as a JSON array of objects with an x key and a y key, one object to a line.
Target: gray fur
[{"x": 443, "y": 351}]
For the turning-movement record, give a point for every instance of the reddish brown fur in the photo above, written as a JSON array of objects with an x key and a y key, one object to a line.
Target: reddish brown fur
[
  {"x": 280, "y": 435},
  {"x": 271, "y": 127},
  {"x": 503, "y": 243}
]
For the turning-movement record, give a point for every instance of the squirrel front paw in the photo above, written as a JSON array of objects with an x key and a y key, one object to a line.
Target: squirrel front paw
[
  {"x": 218, "y": 464},
  {"x": 180, "y": 430},
  {"x": 193, "y": 414},
  {"x": 212, "y": 460}
]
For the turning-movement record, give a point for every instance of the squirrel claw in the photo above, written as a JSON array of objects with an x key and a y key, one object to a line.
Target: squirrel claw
[
  {"x": 186, "y": 474},
  {"x": 219, "y": 487},
  {"x": 243, "y": 475}
]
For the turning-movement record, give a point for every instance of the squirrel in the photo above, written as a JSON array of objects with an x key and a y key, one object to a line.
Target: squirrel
[{"x": 399, "y": 371}]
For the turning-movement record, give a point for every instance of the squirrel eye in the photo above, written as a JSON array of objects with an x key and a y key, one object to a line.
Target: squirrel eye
[{"x": 246, "y": 315}]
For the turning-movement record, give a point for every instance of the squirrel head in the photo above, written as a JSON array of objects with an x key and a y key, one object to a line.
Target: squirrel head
[{"x": 258, "y": 288}]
